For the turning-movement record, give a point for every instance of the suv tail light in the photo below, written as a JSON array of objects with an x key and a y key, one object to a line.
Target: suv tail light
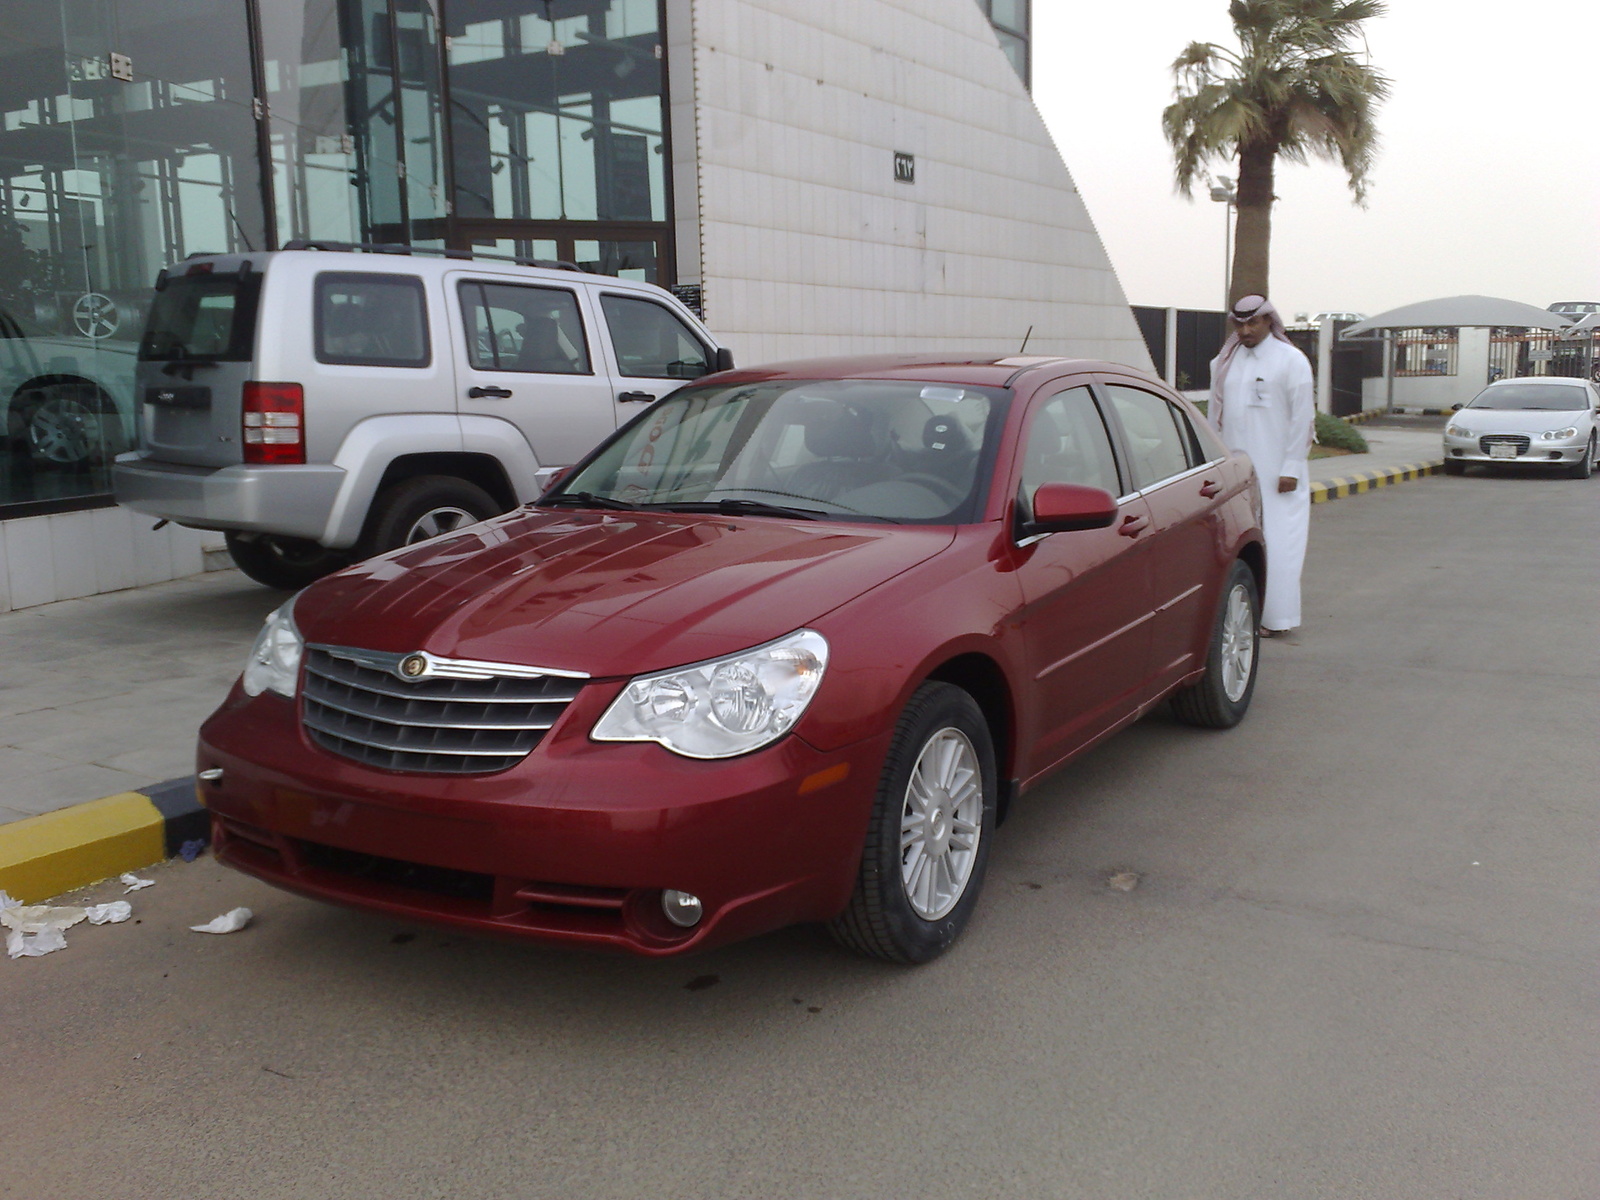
[{"x": 274, "y": 423}]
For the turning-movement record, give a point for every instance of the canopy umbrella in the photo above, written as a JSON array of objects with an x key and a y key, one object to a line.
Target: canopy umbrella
[{"x": 1460, "y": 311}]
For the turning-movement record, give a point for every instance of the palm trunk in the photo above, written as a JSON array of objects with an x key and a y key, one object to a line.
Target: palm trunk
[{"x": 1253, "y": 229}]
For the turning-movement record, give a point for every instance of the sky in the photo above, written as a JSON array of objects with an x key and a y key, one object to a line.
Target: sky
[{"x": 1487, "y": 179}]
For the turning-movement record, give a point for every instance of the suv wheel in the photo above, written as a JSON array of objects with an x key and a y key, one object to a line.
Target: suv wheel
[
  {"x": 69, "y": 426},
  {"x": 281, "y": 562},
  {"x": 422, "y": 508}
]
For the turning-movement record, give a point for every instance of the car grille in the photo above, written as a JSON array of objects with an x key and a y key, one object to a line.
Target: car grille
[
  {"x": 1519, "y": 440},
  {"x": 460, "y": 718}
]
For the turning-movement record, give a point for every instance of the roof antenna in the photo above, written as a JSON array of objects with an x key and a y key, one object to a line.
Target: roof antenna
[{"x": 1025, "y": 338}]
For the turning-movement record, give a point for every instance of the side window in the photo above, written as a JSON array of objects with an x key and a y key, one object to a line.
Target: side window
[
  {"x": 1068, "y": 443},
  {"x": 511, "y": 327},
  {"x": 371, "y": 320},
  {"x": 1157, "y": 448},
  {"x": 651, "y": 342}
]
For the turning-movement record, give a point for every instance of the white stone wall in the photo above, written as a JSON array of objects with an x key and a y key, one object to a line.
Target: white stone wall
[
  {"x": 809, "y": 246},
  {"x": 67, "y": 555}
]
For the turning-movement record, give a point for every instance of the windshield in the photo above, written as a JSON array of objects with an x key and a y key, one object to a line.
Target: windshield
[
  {"x": 850, "y": 449},
  {"x": 209, "y": 317},
  {"x": 1532, "y": 397}
]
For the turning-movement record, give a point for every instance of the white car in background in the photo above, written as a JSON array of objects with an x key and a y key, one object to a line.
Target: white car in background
[{"x": 1546, "y": 421}]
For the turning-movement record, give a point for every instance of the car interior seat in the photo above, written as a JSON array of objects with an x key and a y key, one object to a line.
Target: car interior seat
[{"x": 840, "y": 439}]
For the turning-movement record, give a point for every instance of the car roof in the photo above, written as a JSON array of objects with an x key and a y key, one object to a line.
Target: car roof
[
  {"x": 978, "y": 370},
  {"x": 1547, "y": 380}
]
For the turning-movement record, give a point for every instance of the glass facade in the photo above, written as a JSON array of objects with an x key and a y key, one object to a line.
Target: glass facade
[
  {"x": 1011, "y": 25},
  {"x": 136, "y": 132}
]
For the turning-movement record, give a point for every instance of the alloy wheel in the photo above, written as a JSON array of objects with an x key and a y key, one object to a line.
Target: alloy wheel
[
  {"x": 438, "y": 521},
  {"x": 1238, "y": 643},
  {"x": 940, "y": 824}
]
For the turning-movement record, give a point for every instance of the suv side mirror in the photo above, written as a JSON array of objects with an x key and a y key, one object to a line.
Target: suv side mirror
[
  {"x": 723, "y": 360},
  {"x": 1064, "y": 507}
]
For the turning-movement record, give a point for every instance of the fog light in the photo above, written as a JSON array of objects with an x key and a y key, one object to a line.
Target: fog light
[{"x": 682, "y": 909}]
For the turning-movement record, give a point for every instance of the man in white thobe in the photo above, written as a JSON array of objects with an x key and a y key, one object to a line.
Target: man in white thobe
[{"x": 1262, "y": 402}]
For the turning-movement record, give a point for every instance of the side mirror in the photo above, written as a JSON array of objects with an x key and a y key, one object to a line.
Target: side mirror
[
  {"x": 724, "y": 360},
  {"x": 1457, "y": 407},
  {"x": 1064, "y": 507}
]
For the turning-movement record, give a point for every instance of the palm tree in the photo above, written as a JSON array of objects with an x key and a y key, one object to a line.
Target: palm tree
[{"x": 1294, "y": 89}]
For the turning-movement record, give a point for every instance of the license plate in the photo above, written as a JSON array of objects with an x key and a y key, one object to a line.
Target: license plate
[{"x": 1501, "y": 450}]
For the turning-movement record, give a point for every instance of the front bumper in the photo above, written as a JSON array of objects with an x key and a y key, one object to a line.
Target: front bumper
[
  {"x": 573, "y": 845},
  {"x": 290, "y": 500},
  {"x": 1537, "y": 454}
]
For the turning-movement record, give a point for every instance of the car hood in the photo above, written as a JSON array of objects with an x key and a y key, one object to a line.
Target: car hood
[
  {"x": 1495, "y": 420},
  {"x": 608, "y": 594}
]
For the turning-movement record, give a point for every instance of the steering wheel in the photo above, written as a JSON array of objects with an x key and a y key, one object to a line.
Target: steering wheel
[{"x": 937, "y": 484}]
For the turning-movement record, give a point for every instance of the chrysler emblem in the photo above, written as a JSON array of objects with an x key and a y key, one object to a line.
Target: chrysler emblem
[{"x": 413, "y": 666}]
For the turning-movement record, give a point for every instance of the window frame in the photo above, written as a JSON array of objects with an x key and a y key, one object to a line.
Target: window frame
[
  {"x": 705, "y": 347},
  {"x": 1118, "y": 455},
  {"x": 411, "y": 282},
  {"x": 480, "y": 283},
  {"x": 1192, "y": 450}
]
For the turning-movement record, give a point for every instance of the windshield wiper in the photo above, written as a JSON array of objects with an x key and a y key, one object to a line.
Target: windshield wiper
[
  {"x": 731, "y": 507},
  {"x": 586, "y": 500}
]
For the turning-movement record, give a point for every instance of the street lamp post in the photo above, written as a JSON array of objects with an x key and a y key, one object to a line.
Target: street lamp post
[{"x": 1223, "y": 193}]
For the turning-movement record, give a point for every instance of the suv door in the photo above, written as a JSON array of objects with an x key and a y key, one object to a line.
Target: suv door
[
  {"x": 528, "y": 357},
  {"x": 1086, "y": 595},
  {"x": 654, "y": 351},
  {"x": 1179, "y": 477}
]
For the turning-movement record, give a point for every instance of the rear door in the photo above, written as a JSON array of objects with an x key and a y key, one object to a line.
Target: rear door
[
  {"x": 653, "y": 350},
  {"x": 1086, "y": 593},
  {"x": 194, "y": 358},
  {"x": 1181, "y": 479},
  {"x": 528, "y": 356}
]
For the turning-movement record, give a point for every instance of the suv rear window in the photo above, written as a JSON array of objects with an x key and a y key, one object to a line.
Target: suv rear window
[
  {"x": 371, "y": 320},
  {"x": 202, "y": 316}
]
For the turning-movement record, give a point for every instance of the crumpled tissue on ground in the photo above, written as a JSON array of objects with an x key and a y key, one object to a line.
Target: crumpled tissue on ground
[
  {"x": 32, "y": 945},
  {"x": 134, "y": 882},
  {"x": 7, "y": 902},
  {"x": 228, "y": 922},
  {"x": 113, "y": 912}
]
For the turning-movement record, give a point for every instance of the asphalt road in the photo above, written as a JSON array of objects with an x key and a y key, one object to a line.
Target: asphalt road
[{"x": 1360, "y": 962}]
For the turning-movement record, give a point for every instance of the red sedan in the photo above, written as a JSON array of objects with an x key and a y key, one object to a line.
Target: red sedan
[{"x": 783, "y": 649}]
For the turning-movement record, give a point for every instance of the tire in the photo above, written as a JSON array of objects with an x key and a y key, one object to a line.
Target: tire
[
  {"x": 69, "y": 426},
  {"x": 1454, "y": 466},
  {"x": 280, "y": 562},
  {"x": 910, "y": 903},
  {"x": 422, "y": 508},
  {"x": 1584, "y": 467},
  {"x": 1222, "y": 697}
]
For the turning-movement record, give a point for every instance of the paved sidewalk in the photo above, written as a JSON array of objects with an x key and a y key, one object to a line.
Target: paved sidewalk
[{"x": 1399, "y": 449}]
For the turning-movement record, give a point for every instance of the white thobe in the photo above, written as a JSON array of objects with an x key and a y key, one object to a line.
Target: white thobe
[{"x": 1268, "y": 411}]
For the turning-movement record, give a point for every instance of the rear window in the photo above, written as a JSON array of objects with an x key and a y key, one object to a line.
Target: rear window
[
  {"x": 371, "y": 320},
  {"x": 208, "y": 317}
]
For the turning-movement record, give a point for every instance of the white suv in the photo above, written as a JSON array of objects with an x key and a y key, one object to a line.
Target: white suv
[{"x": 322, "y": 405}]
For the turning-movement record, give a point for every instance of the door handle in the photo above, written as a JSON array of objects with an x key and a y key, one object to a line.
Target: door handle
[
  {"x": 1210, "y": 488},
  {"x": 1133, "y": 525},
  {"x": 489, "y": 393},
  {"x": 635, "y": 397}
]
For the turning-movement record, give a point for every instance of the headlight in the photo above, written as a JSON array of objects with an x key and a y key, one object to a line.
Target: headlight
[
  {"x": 274, "y": 662},
  {"x": 1456, "y": 431},
  {"x": 1559, "y": 435},
  {"x": 723, "y": 707}
]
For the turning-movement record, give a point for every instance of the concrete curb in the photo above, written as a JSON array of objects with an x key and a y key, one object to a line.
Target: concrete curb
[
  {"x": 46, "y": 855},
  {"x": 1366, "y": 481},
  {"x": 1361, "y": 418}
]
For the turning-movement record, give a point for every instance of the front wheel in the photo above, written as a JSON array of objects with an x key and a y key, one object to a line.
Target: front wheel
[
  {"x": 282, "y": 562},
  {"x": 1221, "y": 698},
  {"x": 928, "y": 839},
  {"x": 1584, "y": 467}
]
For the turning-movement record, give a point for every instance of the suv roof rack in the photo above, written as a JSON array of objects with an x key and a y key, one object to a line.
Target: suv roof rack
[{"x": 552, "y": 264}]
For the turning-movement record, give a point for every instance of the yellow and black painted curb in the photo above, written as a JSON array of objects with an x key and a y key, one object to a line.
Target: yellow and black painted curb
[
  {"x": 1367, "y": 481},
  {"x": 46, "y": 855},
  {"x": 1361, "y": 418}
]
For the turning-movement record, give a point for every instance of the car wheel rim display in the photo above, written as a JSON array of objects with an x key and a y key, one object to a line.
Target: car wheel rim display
[
  {"x": 58, "y": 430},
  {"x": 438, "y": 521},
  {"x": 1238, "y": 643},
  {"x": 940, "y": 824}
]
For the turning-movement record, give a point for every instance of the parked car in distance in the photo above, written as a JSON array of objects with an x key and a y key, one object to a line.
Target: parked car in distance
[
  {"x": 322, "y": 405},
  {"x": 1546, "y": 420},
  {"x": 781, "y": 650}
]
